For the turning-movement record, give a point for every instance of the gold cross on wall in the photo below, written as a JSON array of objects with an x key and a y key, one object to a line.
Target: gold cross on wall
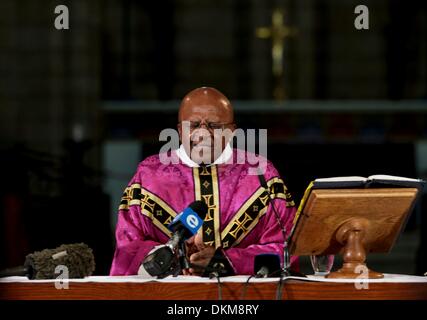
[{"x": 278, "y": 32}]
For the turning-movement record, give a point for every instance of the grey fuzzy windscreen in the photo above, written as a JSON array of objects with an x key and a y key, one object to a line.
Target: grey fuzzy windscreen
[{"x": 78, "y": 258}]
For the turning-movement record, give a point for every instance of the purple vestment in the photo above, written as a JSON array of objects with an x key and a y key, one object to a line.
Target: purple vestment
[{"x": 240, "y": 218}]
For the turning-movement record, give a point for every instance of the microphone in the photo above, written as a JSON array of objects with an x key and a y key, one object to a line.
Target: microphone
[
  {"x": 78, "y": 258},
  {"x": 188, "y": 222},
  {"x": 162, "y": 260},
  {"x": 266, "y": 265}
]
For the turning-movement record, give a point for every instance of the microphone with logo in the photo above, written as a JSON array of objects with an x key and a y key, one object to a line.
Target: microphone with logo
[{"x": 170, "y": 258}]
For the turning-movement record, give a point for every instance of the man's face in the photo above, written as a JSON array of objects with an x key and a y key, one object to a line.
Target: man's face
[{"x": 205, "y": 128}]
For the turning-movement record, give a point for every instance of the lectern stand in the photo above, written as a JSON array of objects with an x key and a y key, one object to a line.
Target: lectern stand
[{"x": 352, "y": 222}]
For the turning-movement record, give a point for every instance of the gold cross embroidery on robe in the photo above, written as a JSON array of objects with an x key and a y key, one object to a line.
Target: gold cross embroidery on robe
[{"x": 252, "y": 210}]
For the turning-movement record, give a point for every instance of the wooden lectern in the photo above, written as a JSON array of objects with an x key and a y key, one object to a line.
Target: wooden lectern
[{"x": 352, "y": 222}]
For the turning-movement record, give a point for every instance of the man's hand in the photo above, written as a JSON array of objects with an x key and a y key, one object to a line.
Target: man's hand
[
  {"x": 190, "y": 247},
  {"x": 199, "y": 254},
  {"x": 201, "y": 259},
  {"x": 198, "y": 241}
]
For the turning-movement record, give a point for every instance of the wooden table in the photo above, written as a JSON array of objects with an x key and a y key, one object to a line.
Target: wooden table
[{"x": 292, "y": 290}]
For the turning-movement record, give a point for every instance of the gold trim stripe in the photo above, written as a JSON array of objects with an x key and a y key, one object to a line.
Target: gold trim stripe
[
  {"x": 275, "y": 180},
  {"x": 287, "y": 198},
  {"x": 252, "y": 210},
  {"x": 241, "y": 211},
  {"x": 251, "y": 226},
  {"x": 197, "y": 193},
  {"x": 277, "y": 185},
  {"x": 151, "y": 206},
  {"x": 217, "y": 217},
  {"x": 206, "y": 188}
]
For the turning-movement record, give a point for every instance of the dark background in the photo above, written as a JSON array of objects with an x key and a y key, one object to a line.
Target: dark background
[{"x": 80, "y": 107}]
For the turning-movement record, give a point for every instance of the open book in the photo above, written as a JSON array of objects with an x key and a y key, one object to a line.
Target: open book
[{"x": 374, "y": 181}]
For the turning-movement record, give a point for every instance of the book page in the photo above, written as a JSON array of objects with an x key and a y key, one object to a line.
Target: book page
[
  {"x": 392, "y": 178},
  {"x": 341, "y": 179}
]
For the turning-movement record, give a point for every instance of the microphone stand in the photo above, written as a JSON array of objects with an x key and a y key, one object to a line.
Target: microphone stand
[
  {"x": 286, "y": 257},
  {"x": 182, "y": 257},
  {"x": 177, "y": 246},
  {"x": 286, "y": 270}
]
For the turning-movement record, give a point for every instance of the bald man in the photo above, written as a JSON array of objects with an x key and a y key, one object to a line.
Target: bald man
[{"x": 240, "y": 223}]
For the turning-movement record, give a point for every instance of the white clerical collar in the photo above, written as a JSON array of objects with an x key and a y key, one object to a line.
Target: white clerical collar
[{"x": 223, "y": 158}]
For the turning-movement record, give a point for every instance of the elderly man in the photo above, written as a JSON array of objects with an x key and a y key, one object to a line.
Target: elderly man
[{"x": 240, "y": 222}]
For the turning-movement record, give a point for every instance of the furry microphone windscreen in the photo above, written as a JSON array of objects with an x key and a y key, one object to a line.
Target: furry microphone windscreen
[{"x": 77, "y": 258}]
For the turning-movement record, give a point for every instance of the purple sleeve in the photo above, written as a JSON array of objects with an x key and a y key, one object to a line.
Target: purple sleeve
[
  {"x": 268, "y": 234},
  {"x": 135, "y": 233},
  {"x": 132, "y": 241}
]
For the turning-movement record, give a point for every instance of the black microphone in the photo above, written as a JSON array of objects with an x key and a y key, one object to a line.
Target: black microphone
[
  {"x": 78, "y": 258},
  {"x": 163, "y": 260},
  {"x": 267, "y": 265}
]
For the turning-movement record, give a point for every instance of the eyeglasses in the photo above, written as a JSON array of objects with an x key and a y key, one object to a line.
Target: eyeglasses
[{"x": 209, "y": 125}]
